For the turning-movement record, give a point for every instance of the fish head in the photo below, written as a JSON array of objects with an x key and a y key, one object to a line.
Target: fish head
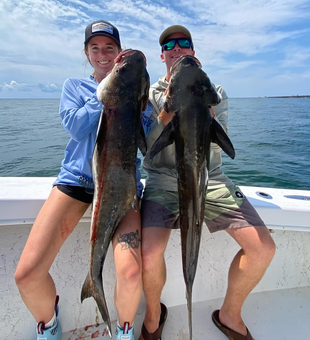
[
  {"x": 188, "y": 80},
  {"x": 185, "y": 60},
  {"x": 124, "y": 81},
  {"x": 128, "y": 56},
  {"x": 183, "y": 73}
]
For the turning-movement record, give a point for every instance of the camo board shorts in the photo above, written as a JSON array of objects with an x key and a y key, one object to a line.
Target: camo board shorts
[{"x": 225, "y": 208}]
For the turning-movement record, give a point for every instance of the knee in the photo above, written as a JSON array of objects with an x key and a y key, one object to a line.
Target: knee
[
  {"x": 269, "y": 249},
  {"x": 23, "y": 277},
  {"x": 264, "y": 250},
  {"x": 151, "y": 257},
  {"x": 130, "y": 274},
  {"x": 147, "y": 263}
]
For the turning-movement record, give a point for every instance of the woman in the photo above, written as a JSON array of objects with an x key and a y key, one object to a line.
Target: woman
[{"x": 72, "y": 194}]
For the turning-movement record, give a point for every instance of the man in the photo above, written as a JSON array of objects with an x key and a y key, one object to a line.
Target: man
[{"x": 226, "y": 209}]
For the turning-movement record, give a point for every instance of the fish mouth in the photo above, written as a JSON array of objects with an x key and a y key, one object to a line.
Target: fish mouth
[
  {"x": 127, "y": 53},
  {"x": 181, "y": 58}
]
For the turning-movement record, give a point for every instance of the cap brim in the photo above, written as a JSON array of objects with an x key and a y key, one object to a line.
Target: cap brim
[
  {"x": 174, "y": 29},
  {"x": 97, "y": 34}
]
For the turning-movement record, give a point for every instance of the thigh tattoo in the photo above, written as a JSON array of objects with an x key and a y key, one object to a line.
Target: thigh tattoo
[{"x": 129, "y": 241}]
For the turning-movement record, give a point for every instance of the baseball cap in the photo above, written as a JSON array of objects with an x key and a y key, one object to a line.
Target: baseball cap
[
  {"x": 103, "y": 28},
  {"x": 174, "y": 29}
]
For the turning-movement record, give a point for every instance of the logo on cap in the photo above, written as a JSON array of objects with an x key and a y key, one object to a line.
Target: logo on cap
[{"x": 102, "y": 27}]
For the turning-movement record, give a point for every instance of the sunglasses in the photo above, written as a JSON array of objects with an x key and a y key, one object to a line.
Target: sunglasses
[{"x": 182, "y": 42}]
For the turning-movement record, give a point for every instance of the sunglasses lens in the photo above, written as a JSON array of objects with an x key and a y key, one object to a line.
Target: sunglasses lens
[
  {"x": 184, "y": 43},
  {"x": 169, "y": 45}
]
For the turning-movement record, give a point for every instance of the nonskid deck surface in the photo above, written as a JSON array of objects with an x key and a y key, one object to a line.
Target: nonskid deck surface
[{"x": 273, "y": 315}]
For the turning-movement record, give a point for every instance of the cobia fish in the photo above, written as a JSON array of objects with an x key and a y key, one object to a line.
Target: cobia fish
[
  {"x": 190, "y": 94},
  {"x": 124, "y": 94}
]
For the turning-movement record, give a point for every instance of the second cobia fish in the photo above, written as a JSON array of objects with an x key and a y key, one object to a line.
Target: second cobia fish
[
  {"x": 190, "y": 94},
  {"x": 124, "y": 94}
]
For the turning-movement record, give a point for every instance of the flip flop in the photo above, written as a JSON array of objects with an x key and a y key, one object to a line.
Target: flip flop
[
  {"x": 231, "y": 335},
  {"x": 157, "y": 334}
]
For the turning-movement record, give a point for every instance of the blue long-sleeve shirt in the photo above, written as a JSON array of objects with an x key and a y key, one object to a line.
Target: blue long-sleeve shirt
[{"x": 80, "y": 112}]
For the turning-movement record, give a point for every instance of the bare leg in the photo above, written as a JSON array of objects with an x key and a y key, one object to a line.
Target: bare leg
[
  {"x": 154, "y": 243},
  {"x": 246, "y": 270},
  {"x": 56, "y": 220},
  {"x": 127, "y": 255}
]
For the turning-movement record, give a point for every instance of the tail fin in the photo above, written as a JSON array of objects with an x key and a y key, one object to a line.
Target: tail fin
[
  {"x": 86, "y": 289},
  {"x": 94, "y": 288}
]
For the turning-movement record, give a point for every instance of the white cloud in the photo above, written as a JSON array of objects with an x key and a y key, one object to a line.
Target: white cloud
[
  {"x": 14, "y": 86},
  {"x": 11, "y": 86},
  {"x": 233, "y": 39},
  {"x": 296, "y": 57},
  {"x": 247, "y": 14}
]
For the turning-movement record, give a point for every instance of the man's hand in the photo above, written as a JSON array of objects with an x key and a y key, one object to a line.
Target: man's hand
[
  {"x": 211, "y": 111},
  {"x": 165, "y": 117}
]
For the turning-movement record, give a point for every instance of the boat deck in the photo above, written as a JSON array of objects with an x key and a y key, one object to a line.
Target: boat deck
[{"x": 274, "y": 315}]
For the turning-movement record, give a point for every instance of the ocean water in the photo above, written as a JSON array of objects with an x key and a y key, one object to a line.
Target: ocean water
[{"x": 271, "y": 137}]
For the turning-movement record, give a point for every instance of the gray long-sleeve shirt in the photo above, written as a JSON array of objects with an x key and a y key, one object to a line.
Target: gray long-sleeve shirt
[{"x": 161, "y": 172}]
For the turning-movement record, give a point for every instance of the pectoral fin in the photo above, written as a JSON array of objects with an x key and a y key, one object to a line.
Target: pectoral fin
[
  {"x": 219, "y": 136},
  {"x": 166, "y": 138},
  {"x": 102, "y": 131},
  {"x": 142, "y": 141}
]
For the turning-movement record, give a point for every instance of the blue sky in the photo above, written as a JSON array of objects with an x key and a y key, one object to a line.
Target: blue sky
[{"x": 252, "y": 48}]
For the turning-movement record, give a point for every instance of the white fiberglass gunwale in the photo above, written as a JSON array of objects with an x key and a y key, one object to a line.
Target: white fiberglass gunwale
[{"x": 280, "y": 208}]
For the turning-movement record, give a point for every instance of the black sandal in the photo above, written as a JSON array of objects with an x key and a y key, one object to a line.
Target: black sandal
[
  {"x": 157, "y": 334},
  {"x": 231, "y": 335}
]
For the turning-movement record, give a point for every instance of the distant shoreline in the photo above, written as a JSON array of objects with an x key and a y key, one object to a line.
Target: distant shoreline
[{"x": 298, "y": 96}]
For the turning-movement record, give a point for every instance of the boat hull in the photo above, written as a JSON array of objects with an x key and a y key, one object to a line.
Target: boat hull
[{"x": 289, "y": 271}]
